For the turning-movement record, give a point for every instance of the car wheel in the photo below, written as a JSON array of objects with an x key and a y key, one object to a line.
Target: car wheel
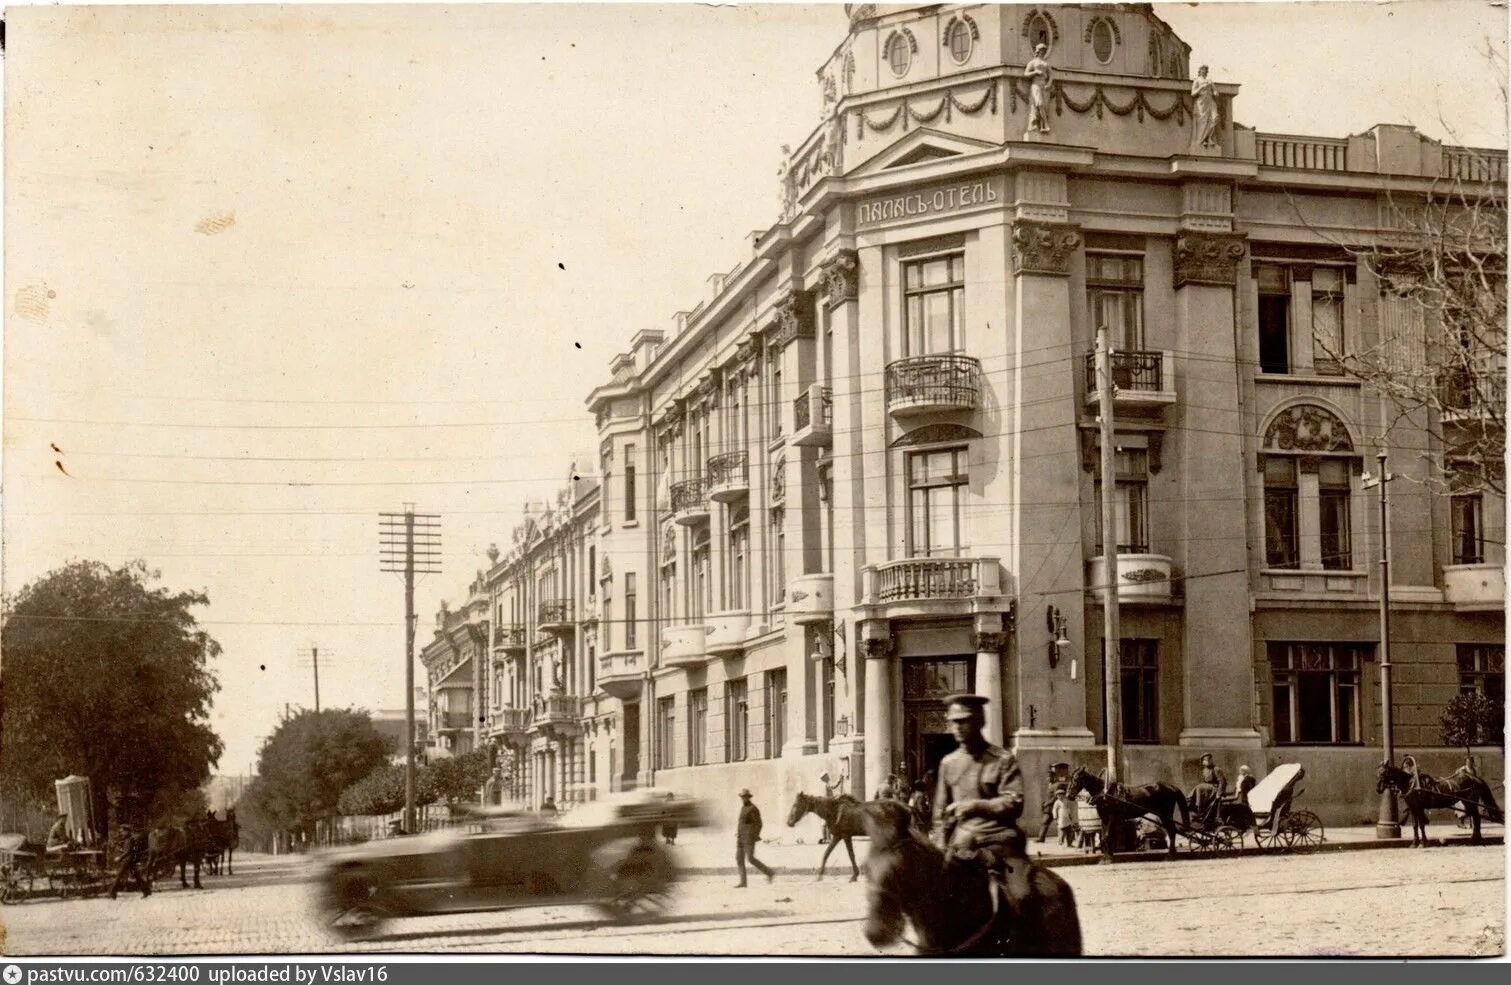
[{"x": 353, "y": 909}]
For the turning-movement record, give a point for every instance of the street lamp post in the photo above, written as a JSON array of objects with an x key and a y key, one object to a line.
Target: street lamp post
[{"x": 1389, "y": 823}]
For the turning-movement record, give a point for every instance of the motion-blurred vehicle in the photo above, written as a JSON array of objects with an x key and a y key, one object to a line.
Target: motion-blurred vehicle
[{"x": 603, "y": 853}]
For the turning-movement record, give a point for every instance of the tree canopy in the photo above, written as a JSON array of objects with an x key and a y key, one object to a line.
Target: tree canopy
[
  {"x": 106, "y": 675},
  {"x": 311, "y": 759},
  {"x": 1471, "y": 719}
]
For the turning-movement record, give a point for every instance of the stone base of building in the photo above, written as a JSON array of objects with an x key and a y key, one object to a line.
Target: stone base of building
[
  {"x": 1053, "y": 738},
  {"x": 1221, "y": 738}
]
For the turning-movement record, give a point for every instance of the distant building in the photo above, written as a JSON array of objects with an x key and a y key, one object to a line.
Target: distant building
[
  {"x": 391, "y": 724},
  {"x": 222, "y": 791}
]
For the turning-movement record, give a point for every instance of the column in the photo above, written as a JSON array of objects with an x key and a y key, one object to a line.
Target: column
[
  {"x": 878, "y": 653},
  {"x": 1214, "y": 464},
  {"x": 988, "y": 642}
]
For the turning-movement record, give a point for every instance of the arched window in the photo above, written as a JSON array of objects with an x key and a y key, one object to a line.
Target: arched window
[
  {"x": 899, "y": 55},
  {"x": 1309, "y": 465},
  {"x": 960, "y": 42},
  {"x": 1102, "y": 40}
]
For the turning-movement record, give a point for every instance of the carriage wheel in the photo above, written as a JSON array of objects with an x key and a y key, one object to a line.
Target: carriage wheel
[
  {"x": 12, "y": 888},
  {"x": 1265, "y": 837},
  {"x": 353, "y": 912},
  {"x": 1304, "y": 831}
]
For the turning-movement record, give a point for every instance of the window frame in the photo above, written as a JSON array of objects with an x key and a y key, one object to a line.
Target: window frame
[
  {"x": 1273, "y": 492},
  {"x": 697, "y": 726},
  {"x": 1281, "y": 334},
  {"x": 1130, "y": 503},
  {"x": 737, "y": 720},
  {"x": 738, "y": 598},
  {"x": 776, "y": 712},
  {"x": 1475, "y": 529},
  {"x": 959, "y": 481},
  {"x": 958, "y": 29},
  {"x": 1102, "y": 24},
  {"x": 1128, "y": 290},
  {"x": 666, "y": 729},
  {"x": 630, "y": 614},
  {"x": 898, "y": 42},
  {"x": 1138, "y": 660},
  {"x": 1295, "y": 679},
  {"x": 1337, "y": 299},
  {"x": 954, "y": 290},
  {"x": 1339, "y": 536}
]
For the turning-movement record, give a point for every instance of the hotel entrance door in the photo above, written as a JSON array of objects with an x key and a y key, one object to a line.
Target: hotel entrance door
[{"x": 926, "y": 683}]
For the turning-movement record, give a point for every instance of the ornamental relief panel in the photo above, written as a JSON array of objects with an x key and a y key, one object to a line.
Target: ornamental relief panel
[
  {"x": 1044, "y": 248},
  {"x": 1307, "y": 428},
  {"x": 1208, "y": 258},
  {"x": 841, "y": 274}
]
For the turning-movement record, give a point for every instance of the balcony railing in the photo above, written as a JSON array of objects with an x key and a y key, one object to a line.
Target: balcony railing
[
  {"x": 728, "y": 475},
  {"x": 1316, "y": 153},
  {"x": 554, "y": 612},
  {"x": 512, "y": 719},
  {"x": 1135, "y": 370},
  {"x": 556, "y": 708},
  {"x": 933, "y": 578},
  {"x": 919, "y": 384},
  {"x": 689, "y": 501},
  {"x": 812, "y": 416},
  {"x": 456, "y": 719},
  {"x": 509, "y": 638}
]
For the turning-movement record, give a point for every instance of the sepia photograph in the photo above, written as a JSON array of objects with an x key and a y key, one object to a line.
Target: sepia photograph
[{"x": 632, "y": 479}]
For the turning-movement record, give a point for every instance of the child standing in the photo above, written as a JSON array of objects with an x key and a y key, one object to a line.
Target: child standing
[{"x": 1065, "y": 817}]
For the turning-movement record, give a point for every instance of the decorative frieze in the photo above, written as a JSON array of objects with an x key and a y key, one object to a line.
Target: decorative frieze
[
  {"x": 878, "y": 649},
  {"x": 841, "y": 274},
  {"x": 1208, "y": 258},
  {"x": 1044, "y": 248}
]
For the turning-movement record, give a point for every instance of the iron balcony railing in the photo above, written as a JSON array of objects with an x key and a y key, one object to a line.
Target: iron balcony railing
[
  {"x": 1136, "y": 370},
  {"x": 802, "y": 407},
  {"x": 688, "y": 494},
  {"x": 509, "y": 638},
  {"x": 729, "y": 469},
  {"x": 555, "y": 707},
  {"x": 941, "y": 381},
  {"x": 513, "y": 719},
  {"x": 555, "y": 612},
  {"x": 456, "y": 719}
]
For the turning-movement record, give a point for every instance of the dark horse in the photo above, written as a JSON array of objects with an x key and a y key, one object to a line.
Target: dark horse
[
  {"x": 1422, "y": 792},
  {"x": 222, "y": 837},
  {"x": 953, "y": 904},
  {"x": 1120, "y": 802},
  {"x": 846, "y": 818},
  {"x": 180, "y": 847}
]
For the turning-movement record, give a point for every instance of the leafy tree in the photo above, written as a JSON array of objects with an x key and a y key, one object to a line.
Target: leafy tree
[
  {"x": 382, "y": 791},
  {"x": 1471, "y": 719},
  {"x": 311, "y": 759},
  {"x": 457, "y": 779},
  {"x": 106, "y": 675}
]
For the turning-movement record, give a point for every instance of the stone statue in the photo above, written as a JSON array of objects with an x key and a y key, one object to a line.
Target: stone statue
[
  {"x": 1040, "y": 76},
  {"x": 1204, "y": 91},
  {"x": 789, "y": 184}
]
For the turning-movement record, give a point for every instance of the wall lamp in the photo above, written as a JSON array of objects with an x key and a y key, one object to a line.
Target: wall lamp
[
  {"x": 829, "y": 639},
  {"x": 1054, "y": 621}
]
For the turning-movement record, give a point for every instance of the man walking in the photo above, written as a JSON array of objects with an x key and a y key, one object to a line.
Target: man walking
[
  {"x": 747, "y": 833},
  {"x": 1051, "y": 793},
  {"x": 134, "y": 857}
]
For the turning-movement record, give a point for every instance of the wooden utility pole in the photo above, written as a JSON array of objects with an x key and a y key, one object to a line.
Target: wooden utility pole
[
  {"x": 411, "y": 545},
  {"x": 1110, "y": 633}
]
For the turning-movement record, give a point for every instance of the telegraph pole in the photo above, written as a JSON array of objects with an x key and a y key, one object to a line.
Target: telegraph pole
[
  {"x": 411, "y": 545},
  {"x": 314, "y": 656},
  {"x": 1111, "y": 636},
  {"x": 1389, "y": 823}
]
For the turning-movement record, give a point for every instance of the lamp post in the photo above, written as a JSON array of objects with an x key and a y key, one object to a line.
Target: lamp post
[{"x": 1389, "y": 823}]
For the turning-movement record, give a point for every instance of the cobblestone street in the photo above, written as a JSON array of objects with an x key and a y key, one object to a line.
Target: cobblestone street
[{"x": 1442, "y": 901}]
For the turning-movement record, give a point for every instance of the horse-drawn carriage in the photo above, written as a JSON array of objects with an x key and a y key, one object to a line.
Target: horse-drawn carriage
[{"x": 69, "y": 863}]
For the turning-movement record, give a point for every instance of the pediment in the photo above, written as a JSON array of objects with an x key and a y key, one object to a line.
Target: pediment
[{"x": 922, "y": 147}]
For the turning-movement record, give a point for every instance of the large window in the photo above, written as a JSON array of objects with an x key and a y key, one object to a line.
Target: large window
[
  {"x": 668, "y": 593},
  {"x": 1274, "y": 318},
  {"x": 776, "y": 712},
  {"x": 778, "y": 554},
  {"x": 608, "y": 613},
  {"x": 736, "y": 721},
  {"x": 775, "y": 402},
  {"x": 629, "y": 483},
  {"x": 699, "y": 600},
  {"x": 1467, "y": 527},
  {"x": 937, "y": 483},
  {"x": 630, "y": 614},
  {"x": 1327, "y": 320},
  {"x": 1482, "y": 669},
  {"x": 739, "y": 556},
  {"x": 697, "y": 727},
  {"x": 666, "y": 733},
  {"x": 1115, "y": 295},
  {"x": 1281, "y": 522},
  {"x": 1316, "y": 692},
  {"x": 1140, "y": 693},
  {"x": 1130, "y": 504},
  {"x": 1334, "y": 496},
  {"x": 934, "y": 305}
]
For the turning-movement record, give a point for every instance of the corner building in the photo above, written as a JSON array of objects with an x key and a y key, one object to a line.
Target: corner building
[{"x": 861, "y": 474}]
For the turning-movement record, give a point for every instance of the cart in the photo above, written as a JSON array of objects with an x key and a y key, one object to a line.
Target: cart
[
  {"x": 30, "y": 869},
  {"x": 1276, "y": 824}
]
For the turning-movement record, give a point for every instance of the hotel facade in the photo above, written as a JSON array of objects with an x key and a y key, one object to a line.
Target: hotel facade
[{"x": 863, "y": 472}]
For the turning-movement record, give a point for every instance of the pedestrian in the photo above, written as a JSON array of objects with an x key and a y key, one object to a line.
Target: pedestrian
[
  {"x": 548, "y": 806},
  {"x": 747, "y": 833},
  {"x": 133, "y": 847},
  {"x": 1047, "y": 809},
  {"x": 669, "y": 828},
  {"x": 920, "y": 808},
  {"x": 1065, "y": 818}
]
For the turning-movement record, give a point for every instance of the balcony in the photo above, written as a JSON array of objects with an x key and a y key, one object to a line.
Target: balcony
[
  {"x": 682, "y": 646},
  {"x": 620, "y": 674},
  {"x": 725, "y": 633},
  {"x": 555, "y": 616},
  {"x": 509, "y": 640},
  {"x": 454, "y": 721},
  {"x": 560, "y": 714},
  {"x": 1143, "y": 579},
  {"x": 932, "y": 586},
  {"x": 811, "y": 599},
  {"x": 729, "y": 477},
  {"x": 812, "y": 417},
  {"x": 689, "y": 505},
  {"x": 512, "y": 723},
  {"x": 1466, "y": 395},
  {"x": 933, "y": 384},
  {"x": 1140, "y": 379},
  {"x": 1474, "y": 587}
]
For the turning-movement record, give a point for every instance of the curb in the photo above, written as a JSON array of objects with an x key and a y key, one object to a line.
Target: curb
[{"x": 1057, "y": 861}]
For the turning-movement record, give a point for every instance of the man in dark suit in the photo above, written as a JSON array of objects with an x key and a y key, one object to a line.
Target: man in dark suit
[{"x": 747, "y": 834}]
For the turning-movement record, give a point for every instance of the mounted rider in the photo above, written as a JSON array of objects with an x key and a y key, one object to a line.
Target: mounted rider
[{"x": 980, "y": 798}]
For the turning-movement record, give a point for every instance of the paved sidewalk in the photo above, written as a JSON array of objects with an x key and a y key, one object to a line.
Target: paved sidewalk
[{"x": 710, "y": 851}]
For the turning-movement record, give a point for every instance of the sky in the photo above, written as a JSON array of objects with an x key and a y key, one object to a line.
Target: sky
[{"x": 270, "y": 271}]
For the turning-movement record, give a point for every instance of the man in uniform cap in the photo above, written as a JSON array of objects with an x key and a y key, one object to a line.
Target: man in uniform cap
[{"x": 980, "y": 798}]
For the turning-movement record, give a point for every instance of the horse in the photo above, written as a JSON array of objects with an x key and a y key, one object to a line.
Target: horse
[
  {"x": 228, "y": 834},
  {"x": 179, "y": 846},
  {"x": 954, "y": 906},
  {"x": 1120, "y": 802},
  {"x": 846, "y": 818},
  {"x": 1422, "y": 792}
]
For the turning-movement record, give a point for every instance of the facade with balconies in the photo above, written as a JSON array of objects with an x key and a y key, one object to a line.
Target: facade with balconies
[{"x": 864, "y": 470}]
